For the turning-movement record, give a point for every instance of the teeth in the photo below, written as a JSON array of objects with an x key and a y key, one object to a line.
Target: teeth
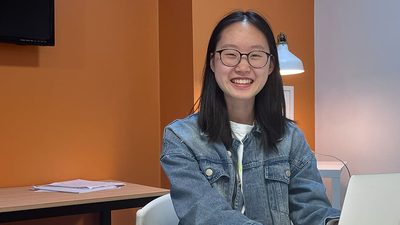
[{"x": 242, "y": 81}]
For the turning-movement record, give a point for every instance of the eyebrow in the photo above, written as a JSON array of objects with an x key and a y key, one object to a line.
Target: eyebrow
[{"x": 235, "y": 46}]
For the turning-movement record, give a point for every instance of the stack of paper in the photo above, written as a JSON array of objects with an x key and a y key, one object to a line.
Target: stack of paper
[{"x": 78, "y": 186}]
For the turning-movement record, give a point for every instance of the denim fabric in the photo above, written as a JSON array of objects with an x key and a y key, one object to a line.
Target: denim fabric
[{"x": 279, "y": 186}]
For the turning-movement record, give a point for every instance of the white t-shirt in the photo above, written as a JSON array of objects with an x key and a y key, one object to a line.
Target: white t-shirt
[{"x": 239, "y": 131}]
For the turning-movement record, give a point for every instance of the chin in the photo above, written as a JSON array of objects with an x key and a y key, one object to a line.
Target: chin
[{"x": 243, "y": 98}]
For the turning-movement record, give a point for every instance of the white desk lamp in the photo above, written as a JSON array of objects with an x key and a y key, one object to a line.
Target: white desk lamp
[{"x": 288, "y": 62}]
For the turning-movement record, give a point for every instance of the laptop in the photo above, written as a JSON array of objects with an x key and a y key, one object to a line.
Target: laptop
[{"x": 372, "y": 200}]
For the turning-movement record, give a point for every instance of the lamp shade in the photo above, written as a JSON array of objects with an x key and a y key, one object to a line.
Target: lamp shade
[{"x": 288, "y": 62}]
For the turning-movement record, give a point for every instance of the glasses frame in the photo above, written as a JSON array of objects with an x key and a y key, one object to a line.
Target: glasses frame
[{"x": 269, "y": 55}]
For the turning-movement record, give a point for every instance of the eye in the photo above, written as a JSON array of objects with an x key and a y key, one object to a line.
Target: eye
[
  {"x": 257, "y": 55},
  {"x": 230, "y": 54}
]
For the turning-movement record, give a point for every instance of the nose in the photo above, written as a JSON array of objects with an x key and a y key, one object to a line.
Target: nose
[{"x": 244, "y": 64}]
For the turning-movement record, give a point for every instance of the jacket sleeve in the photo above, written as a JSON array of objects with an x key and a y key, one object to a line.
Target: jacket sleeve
[
  {"x": 308, "y": 202},
  {"x": 194, "y": 199}
]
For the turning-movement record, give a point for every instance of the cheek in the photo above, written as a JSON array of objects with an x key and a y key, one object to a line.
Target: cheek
[
  {"x": 219, "y": 78},
  {"x": 221, "y": 75},
  {"x": 220, "y": 71},
  {"x": 263, "y": 78},
  {"x": 266, "y": 79}
]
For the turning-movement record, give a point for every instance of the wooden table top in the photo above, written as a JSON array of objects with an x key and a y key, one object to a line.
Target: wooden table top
[{"x": 24, "y": 198}]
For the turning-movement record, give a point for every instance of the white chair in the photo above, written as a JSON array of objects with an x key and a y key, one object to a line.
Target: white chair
[{"x": 160, "y": 211}]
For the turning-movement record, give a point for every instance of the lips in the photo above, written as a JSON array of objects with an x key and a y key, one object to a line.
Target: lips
[{"x": 242, "y": 81}]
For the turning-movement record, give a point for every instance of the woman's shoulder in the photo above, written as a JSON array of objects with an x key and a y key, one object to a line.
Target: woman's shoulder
[
  {"x": 188, "y": 122},
  {"x": 292, "y": 129},
  {"x": 184, "y": 127},
  {"x": 296, "y": 144},
  {"x": 293, "y": 137},
  {"x": 187, "y": 131}
]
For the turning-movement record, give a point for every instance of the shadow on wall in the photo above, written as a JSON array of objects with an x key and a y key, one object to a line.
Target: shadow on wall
[{"x": 19, "y": 55}]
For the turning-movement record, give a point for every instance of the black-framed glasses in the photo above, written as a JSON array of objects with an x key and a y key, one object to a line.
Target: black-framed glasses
[{"x": 232, "y": 57}]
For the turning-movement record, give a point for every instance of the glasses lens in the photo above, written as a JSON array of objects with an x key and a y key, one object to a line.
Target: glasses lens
[
  {"x": 258, "y": 59},
  {"x": 230, "y": 57}
]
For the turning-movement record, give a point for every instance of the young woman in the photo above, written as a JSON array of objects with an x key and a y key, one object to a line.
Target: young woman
[{"x": 239, "y": 160}]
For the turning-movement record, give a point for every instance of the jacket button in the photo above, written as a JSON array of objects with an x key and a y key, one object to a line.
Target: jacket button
[
  {"x": 209, "y": 172},
  {"x": 287, "y": 173},
  {"x": 230, "y": 153}
]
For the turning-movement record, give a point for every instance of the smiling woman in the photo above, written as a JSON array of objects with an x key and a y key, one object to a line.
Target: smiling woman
[{"x": 239, "y": 160}]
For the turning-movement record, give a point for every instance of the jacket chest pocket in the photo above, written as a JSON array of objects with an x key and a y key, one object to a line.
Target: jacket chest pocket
[
  {"x": 277, "y": 179},
  {"x": 217, "y": 175}
]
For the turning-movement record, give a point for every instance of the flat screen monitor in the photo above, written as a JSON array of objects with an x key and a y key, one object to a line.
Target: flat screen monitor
[{"x": 27, "y": 22}]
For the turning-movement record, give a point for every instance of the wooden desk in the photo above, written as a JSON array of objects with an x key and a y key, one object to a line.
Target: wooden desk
[
  {"x": 333, "y": 171},
  {"x": 21, "y": 203}
]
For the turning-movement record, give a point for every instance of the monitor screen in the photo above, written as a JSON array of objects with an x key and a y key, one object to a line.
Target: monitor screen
[{"x": 27, "y": 22}]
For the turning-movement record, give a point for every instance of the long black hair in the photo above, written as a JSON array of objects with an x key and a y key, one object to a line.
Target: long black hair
[{"x": 269, "y": 106}]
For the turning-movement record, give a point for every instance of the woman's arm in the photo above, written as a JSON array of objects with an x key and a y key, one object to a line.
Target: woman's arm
[{"x": 309, "y": 204}]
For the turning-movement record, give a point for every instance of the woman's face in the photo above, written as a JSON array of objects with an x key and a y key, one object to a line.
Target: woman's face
[{"x": 241, "y": 82}]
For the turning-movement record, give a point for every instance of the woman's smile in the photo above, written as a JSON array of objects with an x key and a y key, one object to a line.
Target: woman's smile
[{"x": 242, "y": 81}]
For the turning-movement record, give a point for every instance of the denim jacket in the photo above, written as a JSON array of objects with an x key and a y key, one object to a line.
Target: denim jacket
[{"x": 279, "y": 185}]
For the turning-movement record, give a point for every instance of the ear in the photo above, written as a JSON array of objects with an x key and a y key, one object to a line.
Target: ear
[
  {"x": 271, "y": 67},
  {"x": 212, "y": 62}
]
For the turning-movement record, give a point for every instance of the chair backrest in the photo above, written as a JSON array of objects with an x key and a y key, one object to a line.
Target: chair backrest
[{"x": 160, "y": 211}]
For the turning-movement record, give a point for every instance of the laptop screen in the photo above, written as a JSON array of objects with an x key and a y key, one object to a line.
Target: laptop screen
[{"x": 372, "y": 200}]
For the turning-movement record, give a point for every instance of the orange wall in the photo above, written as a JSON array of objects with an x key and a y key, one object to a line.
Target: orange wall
[
  {"x": 88, "y": 107},
  {"x": 93, "y": 106},
  {"x": 295, "y": 18},
  {"x": 176, "y": 62}
]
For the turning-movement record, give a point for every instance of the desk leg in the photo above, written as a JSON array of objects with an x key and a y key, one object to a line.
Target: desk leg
[
  {"x": 336, "y": 193},
  {"x": 105, "y": 217}
]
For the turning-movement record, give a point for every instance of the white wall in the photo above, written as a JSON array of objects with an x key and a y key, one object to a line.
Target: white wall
[{"x": 357, "y": 76}]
